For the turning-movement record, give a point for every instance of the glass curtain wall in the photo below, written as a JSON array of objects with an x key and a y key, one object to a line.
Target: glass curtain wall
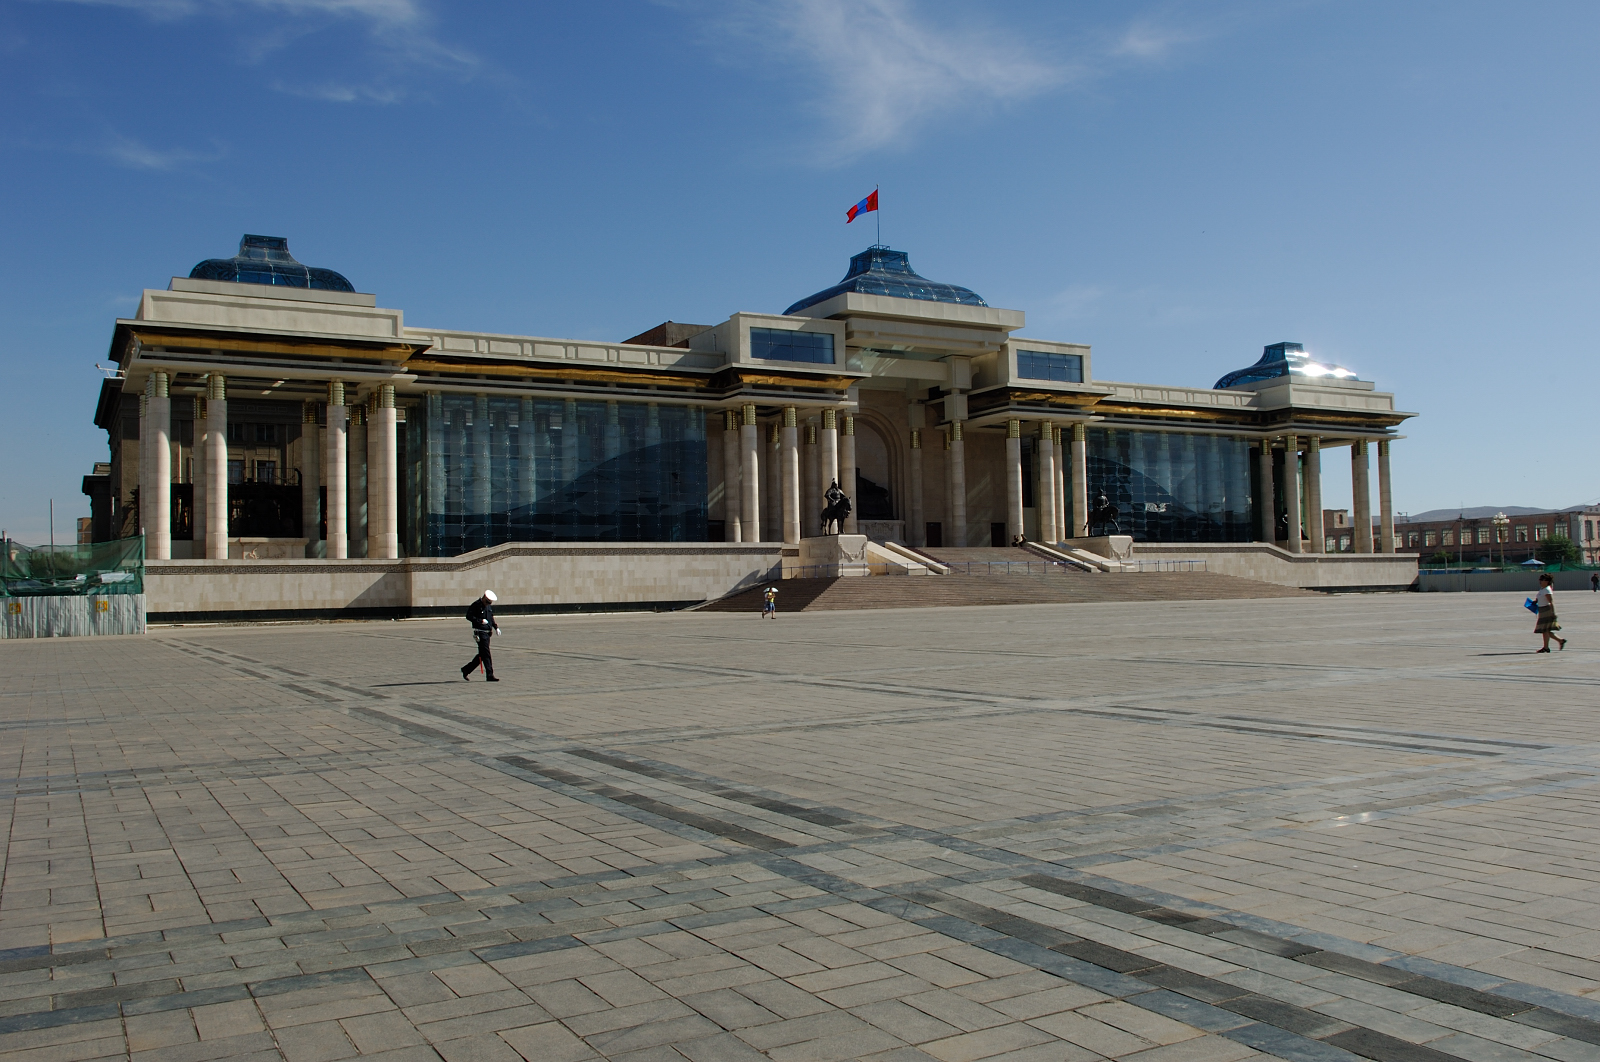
[
  {"x": 489, "y": 470},
  {"x": 1173, "y": 486}
]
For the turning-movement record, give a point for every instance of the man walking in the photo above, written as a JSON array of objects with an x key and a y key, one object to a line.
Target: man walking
[
  {"x": 769, "y": 602},
  {"x": 481, "y": 615}
]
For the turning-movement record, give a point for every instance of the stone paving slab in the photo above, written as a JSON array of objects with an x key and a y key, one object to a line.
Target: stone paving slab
[{"x": 1312, "y": 828}]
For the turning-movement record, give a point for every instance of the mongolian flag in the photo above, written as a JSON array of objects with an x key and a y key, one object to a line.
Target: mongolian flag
[{"x": 868, "y": 204}]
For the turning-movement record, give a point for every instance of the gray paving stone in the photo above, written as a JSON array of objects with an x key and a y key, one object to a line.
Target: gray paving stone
[{"x": 1223, "y": 777}]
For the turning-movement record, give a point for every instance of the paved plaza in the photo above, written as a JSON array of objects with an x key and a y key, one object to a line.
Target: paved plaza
[{"x": 1305, "y": 828}]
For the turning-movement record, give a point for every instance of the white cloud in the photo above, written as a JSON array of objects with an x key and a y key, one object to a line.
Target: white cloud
[
  {"x": 140, "y": 156},
  {"x": 1150, "y": 39},
  {"x": 401, "y": 33},
  {"x": 886, "y": 67}
]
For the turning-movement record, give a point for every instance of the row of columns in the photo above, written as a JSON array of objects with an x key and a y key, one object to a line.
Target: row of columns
[
  {"x": 377, "y": 504},
  {"x": 1060, "y": 465},
  {"x": 829, "y": 452},
  {"x": 829, "y": 456},
  {"x": 1360, "y": 486}
]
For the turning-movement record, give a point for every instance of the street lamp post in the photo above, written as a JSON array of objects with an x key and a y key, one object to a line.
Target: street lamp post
[
  {"x": 1461, "y": 547},
  {"x": 1502, "y": 524}
]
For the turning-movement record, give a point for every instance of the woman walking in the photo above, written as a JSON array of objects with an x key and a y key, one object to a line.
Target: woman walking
[{"x": 1547, "y": 624}]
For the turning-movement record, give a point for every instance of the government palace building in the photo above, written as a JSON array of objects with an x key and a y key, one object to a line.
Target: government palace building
[{"x": 262, "y": 409}]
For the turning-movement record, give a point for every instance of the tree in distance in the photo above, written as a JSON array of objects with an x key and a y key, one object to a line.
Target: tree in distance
[{"x": 1558, "y": 549}]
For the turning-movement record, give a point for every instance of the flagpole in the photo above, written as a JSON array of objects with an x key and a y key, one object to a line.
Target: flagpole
[{"x": 879, "y": 212}]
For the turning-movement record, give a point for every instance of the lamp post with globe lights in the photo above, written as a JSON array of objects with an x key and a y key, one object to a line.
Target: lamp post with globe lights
[{"x": 1502, "y": 525}]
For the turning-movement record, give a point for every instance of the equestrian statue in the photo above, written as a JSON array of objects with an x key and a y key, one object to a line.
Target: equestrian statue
[
  {"x": 836, "y": 510},
  {"x": 1104, "y": 512}
]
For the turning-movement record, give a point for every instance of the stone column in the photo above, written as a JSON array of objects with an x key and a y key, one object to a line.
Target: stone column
[
  {"x": 810, "y": 489},
  {"x": 480, "y": 496},
  {"x": 310, "y": 477},
  {"x": 750, "y": 448},
  {"x": 569, "y": 443},
  {"x": 772, "y": 463},
  {"x": 789, "y": 441},
  {"x": 1267, "y": 507},
  {"x": 356, "y": 482},
  {"x": 917, "y": 525},
  {"x": 1361, "y": 509},
  {"x": 438, "y": 482},
  {"x": 731, "y": 491},
  {"x": 1045, "y": 502},
  {"x": 1080, "y": 481},
  {"x": 828, "y": 455},
  {"x": 198, "y": 461},
  {"x": 1291, "y": 489},
  {"x": 958, "y": 485},
  {"x": 383, "y": 478},
  {"x": 337, "y": 446},
  {"x": 217, "y": 466},
  {"x": 1314, "y": 529},
  {"x": 157, "y": 424},
  {"x": 651, "y": 479},
  {"x": 1060, "y": 485},
  {"x": 847, "y": 469},
  {"x": 1013, "y": 479},
  {"x": 1386, "y": 504},
  {"x": 527, "y": 468}
]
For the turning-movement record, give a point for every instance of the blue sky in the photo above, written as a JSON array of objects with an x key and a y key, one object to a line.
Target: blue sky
[{"x": 1408, "y": 189}]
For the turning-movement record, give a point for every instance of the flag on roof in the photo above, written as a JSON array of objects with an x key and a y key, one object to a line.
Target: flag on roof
[{"x": 870, "y": 203}]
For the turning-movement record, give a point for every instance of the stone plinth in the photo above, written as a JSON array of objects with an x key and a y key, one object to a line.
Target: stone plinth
[
  {"x": 1111, "y": 547},
  {"x": 266, "y": 548},
  {"x": 829, "y": 556}
]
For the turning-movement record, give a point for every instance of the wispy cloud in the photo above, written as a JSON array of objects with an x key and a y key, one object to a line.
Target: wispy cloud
[
  {"x": 1152, "y": 39},
  {"x": 880, "y": 71},
  {"x": 883, "y": 68},
  {"x": 140, "y": 156},
  {"x": 401, "y": 36}
]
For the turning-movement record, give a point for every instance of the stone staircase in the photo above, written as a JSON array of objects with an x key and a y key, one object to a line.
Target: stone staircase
[{"x": 1059, "y": 586}]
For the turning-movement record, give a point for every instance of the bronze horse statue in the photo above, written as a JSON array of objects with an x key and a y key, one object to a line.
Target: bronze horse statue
[
  {"x": 836, "y": 510},
  {"x": 1104, "y": 512}
]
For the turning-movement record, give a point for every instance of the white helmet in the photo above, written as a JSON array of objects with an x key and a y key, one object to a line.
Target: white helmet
[{"x": 488, "y": 596}]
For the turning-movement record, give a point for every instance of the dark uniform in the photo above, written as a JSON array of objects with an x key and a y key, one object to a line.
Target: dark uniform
[{"x": 481, "y": 615}]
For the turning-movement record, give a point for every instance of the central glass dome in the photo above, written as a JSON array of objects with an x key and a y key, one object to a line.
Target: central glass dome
[
  {"x": 266, "y": 260},
  {"x": 881, "y": 271}
]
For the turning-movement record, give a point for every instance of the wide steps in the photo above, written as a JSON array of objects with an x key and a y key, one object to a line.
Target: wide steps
[{"x": 816, "y": 595}]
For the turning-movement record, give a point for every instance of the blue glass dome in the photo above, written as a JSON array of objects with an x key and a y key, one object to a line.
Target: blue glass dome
[
  {"x": 1282, "y": 359},
  {"x": 880, "y": 271},
  {"x": 266, "y": 260}
]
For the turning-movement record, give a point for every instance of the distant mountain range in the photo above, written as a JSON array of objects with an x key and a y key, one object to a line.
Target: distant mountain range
[{"x": 1481, "y": 512}]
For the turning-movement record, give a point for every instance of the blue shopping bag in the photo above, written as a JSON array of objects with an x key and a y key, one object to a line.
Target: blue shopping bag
[{"x": 1530, "y": 606}]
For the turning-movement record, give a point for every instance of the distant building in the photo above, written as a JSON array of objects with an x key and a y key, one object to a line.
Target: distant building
[{"x": 1476, "y": 538}]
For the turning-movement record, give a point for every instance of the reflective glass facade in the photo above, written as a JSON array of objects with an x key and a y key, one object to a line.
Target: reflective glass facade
[
  {"x": 783, "y": 344},
  {"x": 1173, "y": 486},
  {"x": 1041, "y": 365},
  {"x": 481, "y": 471}
]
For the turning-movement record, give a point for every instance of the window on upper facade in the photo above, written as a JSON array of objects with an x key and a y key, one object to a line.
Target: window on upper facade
[
  {"x": 1449, "y": 539},
  {"x": 1331, "y": 545},
  {"x": 1344, "y": 543},
  {"x": 783, "y": 344},
  {"x": 236, "y": 471},
  {"x": 1039, "y": 365},
  {"x": 1588, "y": 530},
  {"x": 1522, "y": 532},
  {"x": 1430, "y": 538},
  {"x": 1541, "y": 532},
  {"x": 266, "y": 471},
  {"x": 1483, "y": 536},
  {"x": 1411, "y": 538}
]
